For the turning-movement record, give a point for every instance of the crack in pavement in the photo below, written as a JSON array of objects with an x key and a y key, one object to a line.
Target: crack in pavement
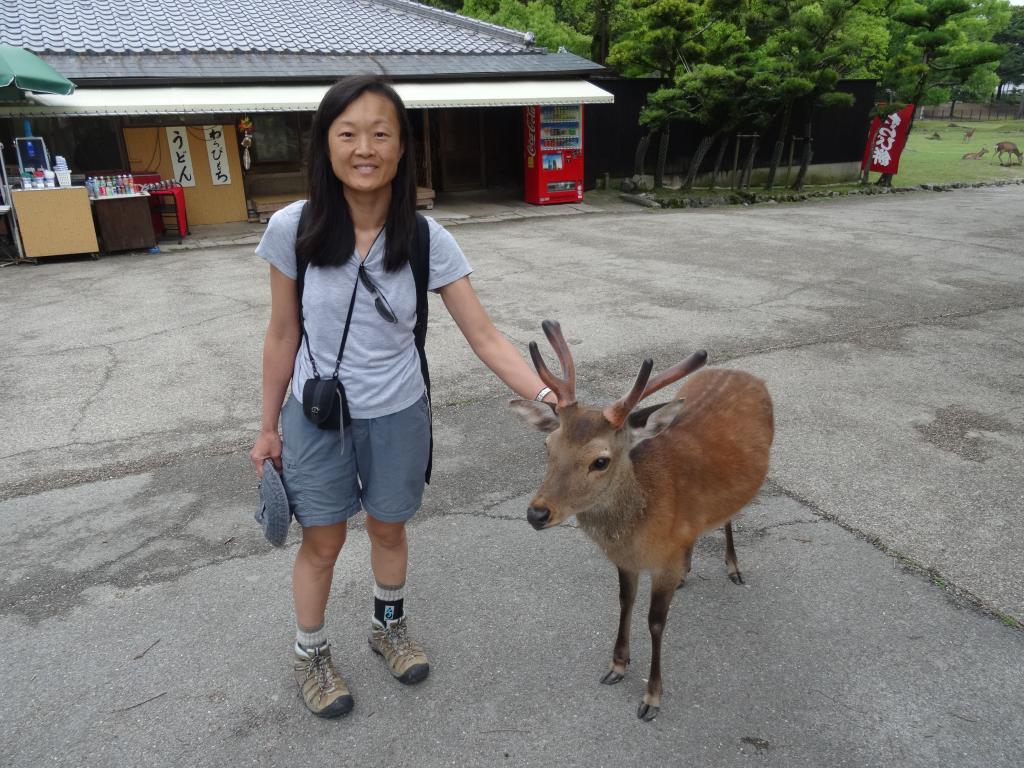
[
  {"x": 954, "y": 591},
  {"x": 108, "y": 371},
  {"x": 154, "y": 334}
]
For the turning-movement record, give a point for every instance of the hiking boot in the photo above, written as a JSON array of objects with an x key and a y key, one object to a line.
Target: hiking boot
[
  {"x": 323, "y": 691},
  {"x": 404, "y": 657}
]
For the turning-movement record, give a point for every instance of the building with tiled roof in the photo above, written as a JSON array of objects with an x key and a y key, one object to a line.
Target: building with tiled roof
[
  {"x": 246, "y": 40},
  {"x": 143, "y": 66}
]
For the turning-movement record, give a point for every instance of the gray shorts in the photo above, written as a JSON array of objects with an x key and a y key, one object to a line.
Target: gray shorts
[{"x": 381, "y": 468}]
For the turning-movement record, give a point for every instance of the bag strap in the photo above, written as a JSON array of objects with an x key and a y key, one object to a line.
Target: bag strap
[
  {"x": 420, "y": 264},
  {"x": 300, "y": 262},
  {"x": 300, "y": 280}
]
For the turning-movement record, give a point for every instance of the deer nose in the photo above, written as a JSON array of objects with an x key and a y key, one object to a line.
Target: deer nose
[{"x": 538, "y": 516}]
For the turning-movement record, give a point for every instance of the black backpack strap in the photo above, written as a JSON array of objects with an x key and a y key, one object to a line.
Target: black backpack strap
[
  {"x": 300, "y": 263},
  {"x": 420, "y": 264},
  {"x": 300, "y": 283}
]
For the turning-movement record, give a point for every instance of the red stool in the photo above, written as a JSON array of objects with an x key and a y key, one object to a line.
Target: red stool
[
  {"x": 171, "y": 200},
  {"x": 163, "y": 202}
]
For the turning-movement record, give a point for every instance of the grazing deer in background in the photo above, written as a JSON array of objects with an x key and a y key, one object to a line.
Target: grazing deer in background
[
  {"x": 975, "y": 155},
  {"x": 968, "y": 134},
  {"x": 645, "y": 484},
  {"x": 1010, "y": 149}
]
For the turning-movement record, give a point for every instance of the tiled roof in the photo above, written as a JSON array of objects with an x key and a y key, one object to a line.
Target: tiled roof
[
  {"x": 151, "y": 68},
  {"x": 252, "y": 26}
]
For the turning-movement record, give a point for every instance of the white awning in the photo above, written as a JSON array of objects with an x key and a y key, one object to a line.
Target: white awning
[{"x": 300, "y": 98}]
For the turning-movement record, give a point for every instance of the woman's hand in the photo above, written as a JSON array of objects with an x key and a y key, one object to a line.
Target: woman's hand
[
  {"x": 267, "y": 446},
  {"x": 279, "y": 347}
]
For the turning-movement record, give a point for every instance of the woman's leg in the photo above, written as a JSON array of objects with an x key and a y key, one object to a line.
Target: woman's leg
[
  {"x": 314, "y": 570},
  {"x": 389, "y": 551},
  {"x": 389, "y": 634},
  {"x": 322, "y": 689}
]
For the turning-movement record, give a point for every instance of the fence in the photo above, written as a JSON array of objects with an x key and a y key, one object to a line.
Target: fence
[
  {"x": 969, "y": 112},
  {"x": 612, "y": 133}
]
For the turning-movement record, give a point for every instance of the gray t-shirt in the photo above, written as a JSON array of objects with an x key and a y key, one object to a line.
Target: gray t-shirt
[{"x": 380, "y": 367}]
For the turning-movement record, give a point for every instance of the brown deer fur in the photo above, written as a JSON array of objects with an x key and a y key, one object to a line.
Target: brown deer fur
[
  {"x": 673, "y": 472},
  {"x": 1009, "y": 149}
]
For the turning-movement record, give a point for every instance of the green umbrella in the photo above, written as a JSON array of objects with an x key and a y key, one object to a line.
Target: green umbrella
[{"x": 21, "y": 71}]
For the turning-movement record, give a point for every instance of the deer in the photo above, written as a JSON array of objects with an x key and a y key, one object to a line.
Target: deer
[
  {"x": 975, "y": 155},
  {"x": 1009, "y": 149},
  {"x": 645, "y": 483},
  {"x": 968, "y": 134}
]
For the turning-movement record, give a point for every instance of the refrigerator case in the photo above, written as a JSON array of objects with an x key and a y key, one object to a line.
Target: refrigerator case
[{"x": 553, "y": 146}]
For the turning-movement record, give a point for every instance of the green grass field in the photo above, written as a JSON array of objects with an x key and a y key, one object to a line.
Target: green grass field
[{"x": 939, "y": 161}]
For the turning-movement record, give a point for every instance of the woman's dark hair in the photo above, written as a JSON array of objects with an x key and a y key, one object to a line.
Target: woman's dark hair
[{"x": 328, "y": 238}]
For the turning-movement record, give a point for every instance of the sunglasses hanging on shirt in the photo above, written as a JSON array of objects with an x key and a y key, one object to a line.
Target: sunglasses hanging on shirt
[{"x": 381, "y": 303}]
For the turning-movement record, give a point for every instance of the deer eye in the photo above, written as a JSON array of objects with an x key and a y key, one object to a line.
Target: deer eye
[{"x": 600, "y": 464}]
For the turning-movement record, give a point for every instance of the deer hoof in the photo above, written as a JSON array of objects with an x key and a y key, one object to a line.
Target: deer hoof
[
  {"x": 736, "y": 578},
  {"x": 612, "y": 677},
  {"x": 646, "y": 712}
]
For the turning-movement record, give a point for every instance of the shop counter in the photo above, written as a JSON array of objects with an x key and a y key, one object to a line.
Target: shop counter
[
  {"x": 55, "y": 221},
  {"x": 123, "y": 222}
]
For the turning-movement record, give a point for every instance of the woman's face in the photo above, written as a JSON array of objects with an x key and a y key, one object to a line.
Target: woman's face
[{"x": 365, "y": 144}]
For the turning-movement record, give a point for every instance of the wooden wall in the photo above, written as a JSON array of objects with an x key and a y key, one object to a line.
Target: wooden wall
[{"x": 206, "y": 203}]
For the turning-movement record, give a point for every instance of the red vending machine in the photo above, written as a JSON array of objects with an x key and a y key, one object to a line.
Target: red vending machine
[{"x": 554, "y": 154}]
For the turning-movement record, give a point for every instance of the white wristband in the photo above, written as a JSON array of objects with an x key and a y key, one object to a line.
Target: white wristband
[{"x": 542, "y": 394}]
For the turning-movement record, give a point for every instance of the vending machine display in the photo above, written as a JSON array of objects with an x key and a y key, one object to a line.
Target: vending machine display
[{"x": 554, "y": 154}]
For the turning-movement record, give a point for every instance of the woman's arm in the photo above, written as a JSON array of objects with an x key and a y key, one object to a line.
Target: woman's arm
[
  {"x": 279, "y": 347},
  {"x": 496, "y": 352}
]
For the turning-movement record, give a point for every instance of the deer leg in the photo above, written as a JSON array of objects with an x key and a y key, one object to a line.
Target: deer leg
[
  {"x": 620, "y": 657},
  {"x": 730, "y": 556},
  {"x": 687, "y": 559},
  {"x": 663, "y": 588}
]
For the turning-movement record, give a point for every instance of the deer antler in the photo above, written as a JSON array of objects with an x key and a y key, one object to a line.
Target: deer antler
[
  {"x": 565, "y": 390},
  {"x": 676, "y": 372},
  {"x": 617, "y": 412}
]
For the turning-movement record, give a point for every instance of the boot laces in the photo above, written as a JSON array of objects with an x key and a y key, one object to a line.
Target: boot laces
[
  {"x": 398, "y": 638},
  {"x": 320, "y": 668}
]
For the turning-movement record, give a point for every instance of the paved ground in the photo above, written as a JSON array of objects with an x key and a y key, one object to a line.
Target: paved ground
[{"x": 143, "y": 621}]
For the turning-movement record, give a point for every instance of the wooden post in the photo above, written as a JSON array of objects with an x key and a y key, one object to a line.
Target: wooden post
[
  {"x": 735, "y": 161},
  {"x": 429, "y": 180}
]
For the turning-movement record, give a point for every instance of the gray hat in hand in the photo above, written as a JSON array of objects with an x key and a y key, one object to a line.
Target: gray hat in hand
[{"x": 273, "y": 513}]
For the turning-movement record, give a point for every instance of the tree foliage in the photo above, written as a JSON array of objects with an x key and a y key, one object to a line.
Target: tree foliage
[
  {"x": 939, "y": 46},
  {"x": 536, "y": 16},
  {"x": 732, "y": 64},
  {"x": 1011, "y": 67}
]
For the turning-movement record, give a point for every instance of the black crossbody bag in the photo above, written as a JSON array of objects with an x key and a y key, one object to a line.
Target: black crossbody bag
[{"x": 323, "y": 400}]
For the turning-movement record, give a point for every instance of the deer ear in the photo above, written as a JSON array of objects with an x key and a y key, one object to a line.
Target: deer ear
[
  {"x": 658, "y": 420},
  {"x": 541, "y": 415},
  {"x": 638, "y": 418}
]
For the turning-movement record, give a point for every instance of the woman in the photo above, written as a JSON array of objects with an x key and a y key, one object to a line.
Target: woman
[{"x": 357, "y": 238}]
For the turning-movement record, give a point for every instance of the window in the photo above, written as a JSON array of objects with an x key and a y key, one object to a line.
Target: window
[
  {"x": 89, "y": 144},
  {"x": 280, "y": 139}
]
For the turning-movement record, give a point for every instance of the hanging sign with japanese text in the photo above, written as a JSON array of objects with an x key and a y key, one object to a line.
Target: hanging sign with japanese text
[
  {"x": 886, "y": 141},
  {"x": 531, "y": 135},
  {"x": 216, "y": 151},
  {"x": 181, "y": 159}
]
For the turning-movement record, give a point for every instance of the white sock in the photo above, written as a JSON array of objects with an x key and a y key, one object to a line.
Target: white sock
[{"x": 310, "y": 638}]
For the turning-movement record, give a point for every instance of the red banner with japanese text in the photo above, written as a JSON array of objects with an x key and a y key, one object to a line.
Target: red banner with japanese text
[{"x": 886, "y": 141}]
